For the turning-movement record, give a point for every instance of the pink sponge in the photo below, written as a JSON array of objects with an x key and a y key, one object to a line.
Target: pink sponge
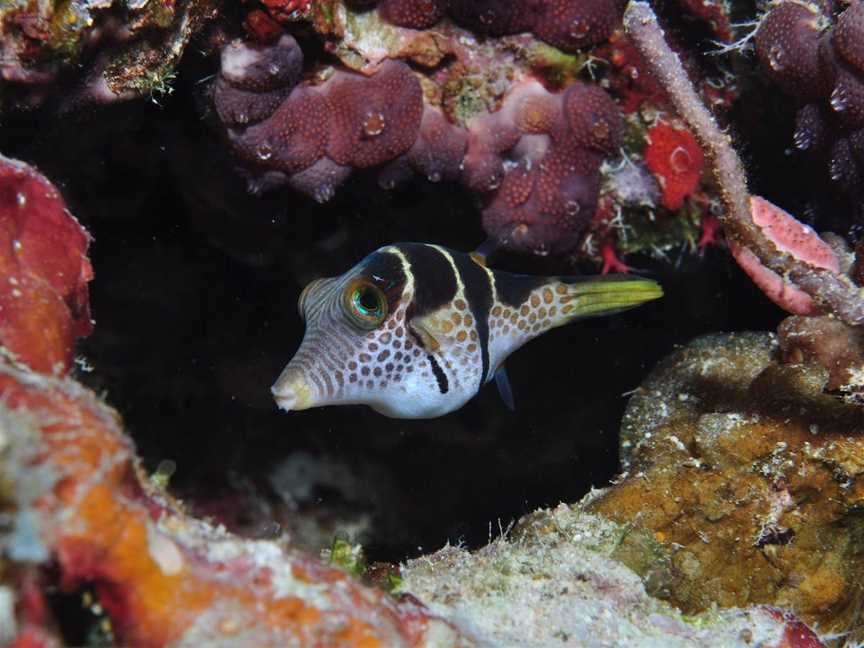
[{"x": 790, "y": 236}]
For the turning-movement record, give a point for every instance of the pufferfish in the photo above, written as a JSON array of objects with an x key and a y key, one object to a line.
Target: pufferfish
[{"x": 414, "y": 330}]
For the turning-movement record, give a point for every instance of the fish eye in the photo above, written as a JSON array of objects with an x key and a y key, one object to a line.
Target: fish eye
[{"x": 365, "y": 304}]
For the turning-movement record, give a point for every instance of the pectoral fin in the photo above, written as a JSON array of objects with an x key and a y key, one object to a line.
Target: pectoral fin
[
  {"x": 425, "y": 334},
  {"x": 504, "y": 388},
  {"x": 484, "y": 251}
]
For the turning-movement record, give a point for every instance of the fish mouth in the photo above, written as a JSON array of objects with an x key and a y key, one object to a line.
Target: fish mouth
[
  {"x": 607, "y": 295},
  {"x": 291, "y": 392}
]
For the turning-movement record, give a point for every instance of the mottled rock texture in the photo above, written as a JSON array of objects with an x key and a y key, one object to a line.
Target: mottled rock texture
[
  {"x": 557, "y": 581},
  {"x": 750, "y": 478}
]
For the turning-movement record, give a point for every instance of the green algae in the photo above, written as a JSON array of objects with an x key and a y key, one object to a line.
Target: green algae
[
  {"x": 658, "y": 230},
  {"x": 346, "y": 556},
  {"x": 557, "y": 67}
]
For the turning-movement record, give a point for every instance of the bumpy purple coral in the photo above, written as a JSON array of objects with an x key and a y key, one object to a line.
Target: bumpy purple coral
[
  {"x": 374, "y": 119},
  {"x": 544, "y": 209},
  {"x": 416, "y": 14},
  {"x": 291, "y": 139},
  {"x": 567, "y": 24},
  {"x": 440, "y": 146},
  {"x": 551, "y": 191},
  {"x": 594, "y": 121},
  {"x": 573, "y": 24},
  {"x": 818, "y": 58},
  {"x": 787, "y": 43},
  {"x": 255, "y": 79},
  {"x": 496, "y": 17},
  {"x": 535, "y": 161},
  {"x": 849, "y": 36}
]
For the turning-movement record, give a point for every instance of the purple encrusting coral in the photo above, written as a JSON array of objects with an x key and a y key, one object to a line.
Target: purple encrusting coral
[
  {"x": 536, "y": 159},
  {"x": 564, "y": 24},
  {"x": 816, "y": 54}
]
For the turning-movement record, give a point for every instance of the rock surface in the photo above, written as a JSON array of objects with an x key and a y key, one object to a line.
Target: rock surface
[
  {"x": 555, "y": 581},
  {"x": 749, "y": 477}
]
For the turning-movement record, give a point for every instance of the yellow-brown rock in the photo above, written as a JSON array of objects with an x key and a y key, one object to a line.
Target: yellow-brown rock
[{"x": 751, "y": 478}]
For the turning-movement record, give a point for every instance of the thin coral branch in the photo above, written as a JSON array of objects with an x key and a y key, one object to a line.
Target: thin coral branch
[
  {"x": 833, "y": 292},
  {"x": 740, "y": 45}
]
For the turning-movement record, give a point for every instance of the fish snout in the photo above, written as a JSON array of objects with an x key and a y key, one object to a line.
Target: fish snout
[{"x": 291, "y": 390}]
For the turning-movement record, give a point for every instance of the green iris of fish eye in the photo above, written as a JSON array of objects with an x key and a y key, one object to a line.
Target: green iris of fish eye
[{"x": 367, "y": 303}]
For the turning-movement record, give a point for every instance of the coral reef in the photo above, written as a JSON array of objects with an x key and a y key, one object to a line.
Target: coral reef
[
  {"x": 124, "y": 54},
  {"x": 74, "y": 495},
  {"x": 812, "y": 52},
  {"x": 539, "y": 155},
  {"x": 77, "y": 495},
  {"x": 766, "y": 472},
  {"x": 163, "y": 577},
  {"x": 571, "y": 134},
  {"x": 557, "y": 580},
  {"x": 796, "y": 268},
  {"x": 43, "y": 260},
  {"x": 524, "y": 126}
]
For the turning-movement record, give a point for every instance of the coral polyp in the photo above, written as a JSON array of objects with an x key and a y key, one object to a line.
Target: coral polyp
[
  {"x": 440, "y": 146},
  {"x": 416, "y": 14},
  {"x": 259, "y": 68},
  {"x": 373, "y": 119},
  {"x": 849, "y": 36},
  {"x": 255, "y": 79},
  {"x": 594, "y": 120},
  {"x": 815, "y": 54},
  {"x": 787, "y": 43},
  {"x": 496, "y": 17},
  {"x": 291, "y": 139},
  {"x": 570, "y": 26}
]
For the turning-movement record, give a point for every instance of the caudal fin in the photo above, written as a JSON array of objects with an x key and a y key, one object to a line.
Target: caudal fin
[{"x": 581, "y": 297}]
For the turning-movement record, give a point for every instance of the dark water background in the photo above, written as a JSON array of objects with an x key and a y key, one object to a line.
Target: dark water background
[{"x": 194, "y": 299}]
